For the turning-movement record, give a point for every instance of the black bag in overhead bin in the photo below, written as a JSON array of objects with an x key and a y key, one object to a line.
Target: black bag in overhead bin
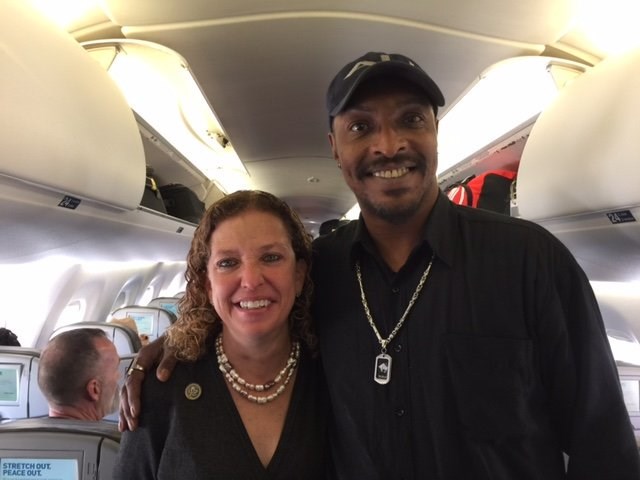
[
  {"x": 152, "y": 198},
  {"x": 182, "y": 202}
]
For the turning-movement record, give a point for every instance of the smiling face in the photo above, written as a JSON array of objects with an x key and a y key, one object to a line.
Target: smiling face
[
  {"x": 385, "y": 143},
  {"x": 253, "y": 276}
]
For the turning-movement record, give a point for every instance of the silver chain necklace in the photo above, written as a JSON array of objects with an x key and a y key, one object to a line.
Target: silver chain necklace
[{"x": 382, "y": 370}]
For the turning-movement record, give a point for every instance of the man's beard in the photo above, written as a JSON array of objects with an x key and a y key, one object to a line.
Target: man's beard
[
  {"x": 395, "y": 215},
  {"x": 399, "y": 214}
]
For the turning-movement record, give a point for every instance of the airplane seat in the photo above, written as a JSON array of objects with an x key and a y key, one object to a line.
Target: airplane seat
[
  {"x": 58, "y": 448},
  {"x": 151, "y": 321},
  {"x": 125, "y": 339},
  {"x": 168, "y": 303},
  {"x": 630, "y": 383},
  {"x": 20, "y": 395}
]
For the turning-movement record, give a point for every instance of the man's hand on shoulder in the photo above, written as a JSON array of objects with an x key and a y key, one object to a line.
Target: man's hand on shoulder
[{"x": 152, "y": 354}]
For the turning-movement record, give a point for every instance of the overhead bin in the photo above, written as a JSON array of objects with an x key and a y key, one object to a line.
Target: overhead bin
[
  {"x": 583, "y": 153},
  {"x": 65, "y": 125},
  {"x": 72, "y": 160},
  {"x": 160, "y": 88},
  {"x": 579, "y": 174}
]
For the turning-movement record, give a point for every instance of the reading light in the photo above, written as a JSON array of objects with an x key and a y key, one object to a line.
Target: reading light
[
  {"x": 160, "y": 88},
  {"x": 507, "y": 95}
]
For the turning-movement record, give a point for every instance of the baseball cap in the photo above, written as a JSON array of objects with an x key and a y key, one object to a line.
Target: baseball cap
[{"x": 346, "y": 82}]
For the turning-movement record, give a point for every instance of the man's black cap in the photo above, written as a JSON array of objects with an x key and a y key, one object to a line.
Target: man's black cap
[{"x": 346, "y": 82}]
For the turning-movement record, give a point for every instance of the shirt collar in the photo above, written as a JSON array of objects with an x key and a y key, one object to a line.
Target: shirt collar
[{"x": 439, "y": 232}]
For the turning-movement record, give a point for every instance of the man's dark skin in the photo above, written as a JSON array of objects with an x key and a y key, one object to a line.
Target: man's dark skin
[{"x": 130, "y": 393}]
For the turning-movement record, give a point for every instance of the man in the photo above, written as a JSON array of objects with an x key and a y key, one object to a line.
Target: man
[
  {"x": 457, "y": 343},
  {"x": 8, "y": 338},
  {"x": 79, "y": 374}
]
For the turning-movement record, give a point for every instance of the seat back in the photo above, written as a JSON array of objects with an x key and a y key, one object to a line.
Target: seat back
[
  {"x": 125, "y": 339},
  {"x": 630, "y": 382},
  {"x": 151, "y": 321},
  {"x": 168, "y": 303},
  {"x": 58, "y": 448},
  {"x": 20, "y": 396}
]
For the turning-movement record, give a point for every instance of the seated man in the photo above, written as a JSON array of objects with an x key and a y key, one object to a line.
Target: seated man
[
  {"x": 79, "y": 375},
  {"x": 8, "y": 338}
]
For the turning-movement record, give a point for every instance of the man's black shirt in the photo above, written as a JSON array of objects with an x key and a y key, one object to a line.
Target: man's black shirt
[{"x": 502, "y": 364}]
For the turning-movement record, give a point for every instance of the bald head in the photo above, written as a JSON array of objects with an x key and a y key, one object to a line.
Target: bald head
[{"x": 78, "y": 374}]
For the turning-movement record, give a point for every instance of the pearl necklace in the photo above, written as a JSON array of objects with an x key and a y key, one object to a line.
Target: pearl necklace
[
  {"x": 382, "y": 370},
  {"x": 241, "y": 386}
]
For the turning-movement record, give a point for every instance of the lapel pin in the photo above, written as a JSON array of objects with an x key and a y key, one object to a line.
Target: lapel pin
[{"x": 193, "y": 391}]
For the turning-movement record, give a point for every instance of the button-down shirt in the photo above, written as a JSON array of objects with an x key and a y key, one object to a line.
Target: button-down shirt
[{"x": 501, "y": 366}]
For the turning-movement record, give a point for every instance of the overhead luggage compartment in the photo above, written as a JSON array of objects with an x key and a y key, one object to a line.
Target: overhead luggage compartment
[
  {"x": 72, "y": 155},
  {"x": 65, "y": 125},
  {"x": 579, "y": 175}
]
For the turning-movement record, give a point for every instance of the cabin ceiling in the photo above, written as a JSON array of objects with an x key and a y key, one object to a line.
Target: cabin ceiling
[{"x": 265, "y": 66}]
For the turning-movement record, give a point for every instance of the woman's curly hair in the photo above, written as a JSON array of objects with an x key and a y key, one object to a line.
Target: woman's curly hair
[{"x": 198, "y": 322}]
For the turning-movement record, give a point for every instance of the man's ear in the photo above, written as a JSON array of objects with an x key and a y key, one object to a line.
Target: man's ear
[{"x": 93, "y": 389}]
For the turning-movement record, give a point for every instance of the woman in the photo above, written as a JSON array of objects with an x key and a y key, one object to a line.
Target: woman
[{"x": 248, "y": 399}]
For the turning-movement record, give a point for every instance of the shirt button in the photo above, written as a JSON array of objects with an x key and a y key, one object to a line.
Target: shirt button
[
  {"x": 398, "y": 348},
  {"x": 395, "y": 290},
  {"x": 399, "y": 412}
]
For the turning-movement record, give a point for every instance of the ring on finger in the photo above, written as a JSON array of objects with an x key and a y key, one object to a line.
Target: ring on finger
[{"x": 134, "y": 368}]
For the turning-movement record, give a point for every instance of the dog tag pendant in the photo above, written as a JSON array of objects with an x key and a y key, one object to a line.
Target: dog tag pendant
[{"x": 382, "y": 373}]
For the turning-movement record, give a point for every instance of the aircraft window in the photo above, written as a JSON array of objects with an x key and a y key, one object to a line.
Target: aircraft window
[
  {"x": 631, "y": 392},
  {"x": 619, "y": 303},
  {"x": 18, "y": 282},
  {"x": 177, "y": 284},
  {"x": 72, "y": 313},
  {"x": 121, "y": 301},
  {"x": 624, "y": 350},
  {"x": 147, "y": 295}
]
